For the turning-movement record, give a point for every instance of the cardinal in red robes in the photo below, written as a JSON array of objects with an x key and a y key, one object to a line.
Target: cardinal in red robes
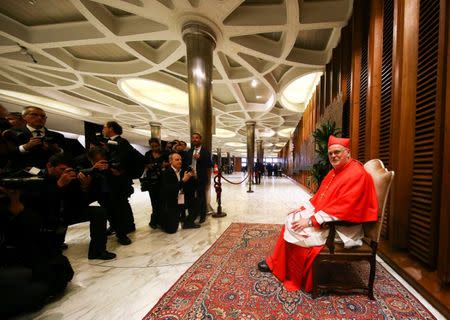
[{"x": 347, "y": 193}]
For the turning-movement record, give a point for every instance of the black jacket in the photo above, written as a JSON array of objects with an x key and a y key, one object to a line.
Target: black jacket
[
  {"x": 170, "y": 187},
  {"x": 36, "y": 157},
  {"x": 203, "y": 164}
]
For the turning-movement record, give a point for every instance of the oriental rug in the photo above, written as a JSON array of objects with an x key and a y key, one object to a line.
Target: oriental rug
[{"x": 224, "y": 283}]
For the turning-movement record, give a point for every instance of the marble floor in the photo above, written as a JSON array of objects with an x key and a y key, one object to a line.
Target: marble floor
[{"x": 130, "y": 285}]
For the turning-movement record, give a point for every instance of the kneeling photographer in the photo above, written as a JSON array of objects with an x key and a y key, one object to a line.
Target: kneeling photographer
[
  {"x": 66, "y": 196},
  {"x": 32, "y": 267}
]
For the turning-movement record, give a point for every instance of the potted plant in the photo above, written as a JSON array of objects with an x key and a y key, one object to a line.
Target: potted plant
[{"x": 321, "y": 135}]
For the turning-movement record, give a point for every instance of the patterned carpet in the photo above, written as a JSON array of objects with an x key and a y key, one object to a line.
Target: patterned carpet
[{"x": 224, "y": 283}]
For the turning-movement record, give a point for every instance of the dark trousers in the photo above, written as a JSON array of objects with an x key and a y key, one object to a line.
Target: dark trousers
[
  {"x": 170, "y": 218},
  {"x": 97, "y": 226},
  {"x": 257, "y": 177},
  {"x": 20, "y": 292},
  {"x": 118, "y": 212},
  {"x": 154, "y": 194},
  {"x": 201, "y": 200},
  {"x": 196, "y": 202}
]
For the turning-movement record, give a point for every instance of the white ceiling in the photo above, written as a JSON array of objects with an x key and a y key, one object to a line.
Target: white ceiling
[{"x": 83, "y": 48}]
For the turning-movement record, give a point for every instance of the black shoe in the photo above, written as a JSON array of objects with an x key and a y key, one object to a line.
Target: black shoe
[
  {"x": 191, "y": 226},
  {"x": 110, "y": 231},
  {"x": 202, "y": 219},
  {"x": 124, "y": 240},
  {"x": 105, "y": 255},
  {"x": 263, "y": 267},
  {"x": 153, "y": 225}
]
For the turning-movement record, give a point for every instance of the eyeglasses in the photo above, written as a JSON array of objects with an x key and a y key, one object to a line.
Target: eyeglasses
[{"x": 335, "y": 152}]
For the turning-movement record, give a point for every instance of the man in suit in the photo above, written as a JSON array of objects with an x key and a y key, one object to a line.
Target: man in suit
[
  {"x": 199, "y": 159},
  {"x": 120, "y": 149},
  {"x": 173, "y": 179},
  {"x": 34, "y": 143}
]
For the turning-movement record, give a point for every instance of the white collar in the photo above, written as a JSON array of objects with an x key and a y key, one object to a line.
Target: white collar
[
  {"x": 113, "y": 137},
  {"x": 176, "y": 171},
  {"x": 34, "y": 129}
]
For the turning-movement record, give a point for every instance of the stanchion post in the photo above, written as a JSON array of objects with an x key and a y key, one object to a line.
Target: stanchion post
[{"x": 218, "y": 188}]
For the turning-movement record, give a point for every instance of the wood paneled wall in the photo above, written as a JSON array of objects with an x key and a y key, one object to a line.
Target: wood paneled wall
[
  {"x": 444, "y": 222},
  {"x": 426, "y": 181}
]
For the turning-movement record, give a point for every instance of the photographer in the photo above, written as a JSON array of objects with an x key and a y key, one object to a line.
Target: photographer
[
  {"x": 107, "y": 185},
  {"x": 122, "y": 155},
  {"x": 30, "y": 270},
  {"x": 64, "y": 200},
  {"x": 34, "y": 143},
  {"x": 151, "y": 180}
]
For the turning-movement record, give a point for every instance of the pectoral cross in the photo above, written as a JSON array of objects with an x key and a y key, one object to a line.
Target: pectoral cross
[{"x": 322, "y": 195}]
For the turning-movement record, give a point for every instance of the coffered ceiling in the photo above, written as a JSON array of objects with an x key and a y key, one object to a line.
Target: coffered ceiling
[{"x": 77, "y": 51}]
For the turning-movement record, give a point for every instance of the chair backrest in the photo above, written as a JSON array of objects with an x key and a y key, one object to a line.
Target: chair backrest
[{"x": 382, "y": 179}]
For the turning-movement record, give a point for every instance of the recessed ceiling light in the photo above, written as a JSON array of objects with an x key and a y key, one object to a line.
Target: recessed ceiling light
[
  {"x": 44, "y": 103},
  {"x": 258, "y": 97},
  {"x": 142, "y": 132},
  {"x": 286, "y": 132},
  {"x": 224, "y": 133},
  {"x": 155, "y": 95},
  {"x": 235, "y": 144},
  {"x": 266, "y": 132},
  {"x": 296, "y": 95},
  {"x": 254, "y": 83}
]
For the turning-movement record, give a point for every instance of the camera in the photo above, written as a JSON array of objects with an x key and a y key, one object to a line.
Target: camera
[
  {"x": 99, "y": 140},
  {"x": 152, "y": 177},
  {"x": 33, "y": 183},
  {"x": 49, "y": 140},
  {"x": 114, "y": 164}
]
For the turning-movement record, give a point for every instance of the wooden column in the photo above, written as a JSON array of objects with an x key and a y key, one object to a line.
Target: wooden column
[
  {"x": 403, "y": 116},
  {"x": 337, "y": 70},
  {"x": 356, "y": 79},
  {"x": 444, "y": 239},
  {"x": 328, "y": 84},
  {"x": 374, "y": 89}
]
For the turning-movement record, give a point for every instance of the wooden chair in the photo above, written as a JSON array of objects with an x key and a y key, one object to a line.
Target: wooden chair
[{"x": 333, "y": 253}]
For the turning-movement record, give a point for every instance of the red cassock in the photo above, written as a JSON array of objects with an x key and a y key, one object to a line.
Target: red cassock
[{"x": 348, "y": 194}]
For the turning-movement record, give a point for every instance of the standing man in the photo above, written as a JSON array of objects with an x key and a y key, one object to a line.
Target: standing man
[
  {"x": 120, "y": 152},
  {"x": 35, "y": 144},
  {"x": 153, "y": 169},
  {"x": 199, "y": 159}
]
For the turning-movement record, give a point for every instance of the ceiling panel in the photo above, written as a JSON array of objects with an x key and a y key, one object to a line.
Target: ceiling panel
[{"x": 41, "y": 12}]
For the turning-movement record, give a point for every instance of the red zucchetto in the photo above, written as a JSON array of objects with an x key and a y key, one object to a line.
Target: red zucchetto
[{"x": 341, "y": 141}]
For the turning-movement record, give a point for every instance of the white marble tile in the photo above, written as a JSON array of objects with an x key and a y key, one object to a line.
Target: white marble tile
[{"x": 129, "y": 286}]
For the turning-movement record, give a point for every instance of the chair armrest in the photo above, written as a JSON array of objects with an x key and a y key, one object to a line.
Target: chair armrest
[{"x": 331, "y": 235}]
